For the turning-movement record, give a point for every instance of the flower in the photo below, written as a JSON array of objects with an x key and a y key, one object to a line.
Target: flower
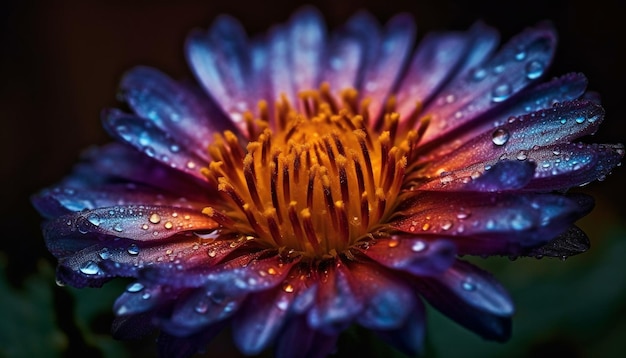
[{"x": 318, "y": 181}]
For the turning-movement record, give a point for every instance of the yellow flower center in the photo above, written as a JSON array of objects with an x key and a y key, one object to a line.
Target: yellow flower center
[{"x": 317, "y": 181}]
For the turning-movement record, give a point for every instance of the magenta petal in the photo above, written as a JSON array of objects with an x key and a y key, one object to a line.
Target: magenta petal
[
  {"x": 415, "y": 255},
  {"x": 473, "y": 298},
  {"x": 345, "y": 56},
  {"x": 388, "y": 299},
  {"x": 337, "y": 302},
  {"x": 154, "y": 142}
]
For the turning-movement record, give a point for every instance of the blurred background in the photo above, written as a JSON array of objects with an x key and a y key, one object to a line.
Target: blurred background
[{"x": 60, "y": 64}]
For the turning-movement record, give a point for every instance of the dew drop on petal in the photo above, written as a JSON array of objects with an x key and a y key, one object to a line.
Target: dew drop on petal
[
  {"x": 90, "y": 268},
  {"x": 288, "y": 288},
  {"x": 104, "y": 254},
  {"x": 418, "y": 246},
  {"x": 580, "y": 120},
  {"x": 201, "y": 307},
  {"x": 522, "y": 155},
  {"x": 534, "y": 69},
  {"x": 134, "y": 287},
  {"x": 478, "y": 74},
  {"x": 94, "y": 219},
  {"x": 500, "y": 136},
  {"x": 501, "y": 92},
  {"x": 168, "y": 225},
  {"x": 447, "y": 225},
  {"x": 133, "y": 249},
  {"x": 155, "y": 218},
  {"x": 145, "y": 227},
  {"x": 468, "y": 285}
]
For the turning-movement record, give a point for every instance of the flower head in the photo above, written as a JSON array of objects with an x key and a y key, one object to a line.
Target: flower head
[{"x": 316, "y": 181}]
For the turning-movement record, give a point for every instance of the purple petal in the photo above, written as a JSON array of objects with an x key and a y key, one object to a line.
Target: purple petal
[
  {"x": 415, "y": 255},
  {"x": 493, "y": 223},
  {"x": 438, "y": 58},
  {"x": 310, "y": 343},
  {"x": 408, "y": 338},
  {"x": 500, "y": 78},
  {"x": 560, "y": 124},
  {"x": 503, "y": 175},
  {"x": 569, "y": 165},
  {"x": 199, "y": 309},
  {"x": 64, "y": 200},
  {"x": 388, "y": 300},
  {"x": 383, "y": 69},
  {"x": 170, "y": 345},
  {"x": 345, "y": 55},
  {"x": 114, "y": 163},
  {"x": 220, "y": 60},
  {"x": 307, "y": 38},
  {"x": 136, "y": 222},
  {"x": 473, "y": 298},
  {"x": 173, "y": 108},
  {"x": 260, "y": 319},
  {"x": 337, "y": 302},
  {"x": 154, "y": 142},
  {"x": 140, "y": 299}
]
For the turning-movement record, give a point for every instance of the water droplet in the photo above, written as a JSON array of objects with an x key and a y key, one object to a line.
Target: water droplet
[
  {"x": 418, "y": 246},
  {"x": 145, "y": 226},
  {"x": 146, "y": 295},
  {"x": 282, "y": 304},
  {"x": 463, "y": 215},
  {"x": 212, "y": 253},
  {"x": 118, "y": 227},
  {"x": 534, "y": 69},
  {"x": 133, "y": 249},
  {"x": 201, "y": 307},
  {"x": 104, "y": 254},
  {"x": 174, "y": 148},
  {"x": 168, "y": 225},
  {"x": 272, "y": 271},
  {"x": 520, "y": 55},
  {"x": 191, "y": 165},
  {"x": 134, "y": 287},
  {"x": 393, "y": 243},
  {"x": 501, "y": 92},
  {"x": 500, "y": 136},
  {"x": 94, "y": 219},
  {"x": 468, "y": 285},
  {"x": 478, "y": 74},
  {"x": 90, "y": 268},
  {"x": 447, "y": 225},
  {"x": 522, "y": 155},
  {"x": 580, "y": 120},
  {"x": 450, "y": 98},
  {"x": 288, "y": 288},
  {"x": 155, "y": 218}
]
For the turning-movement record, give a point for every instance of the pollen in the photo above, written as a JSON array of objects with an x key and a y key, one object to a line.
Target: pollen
[{"x": 315, "y": 177}]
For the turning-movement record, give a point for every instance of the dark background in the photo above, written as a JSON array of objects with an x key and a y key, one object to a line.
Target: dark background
[{"x": 60, "y": 64}]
